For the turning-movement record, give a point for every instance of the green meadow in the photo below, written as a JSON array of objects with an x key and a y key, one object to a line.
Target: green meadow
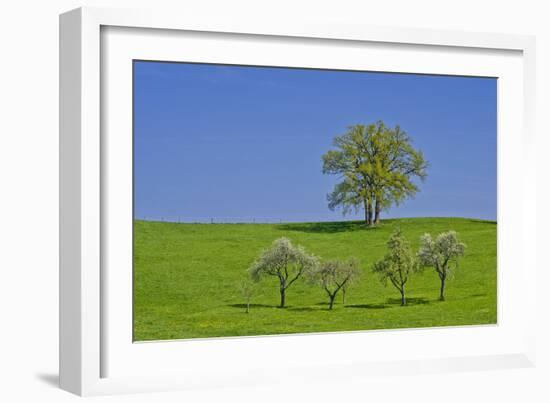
[{"x": 186, "y": 279}]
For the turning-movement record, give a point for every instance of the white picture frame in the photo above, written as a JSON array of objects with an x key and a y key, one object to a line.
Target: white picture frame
[{"x": 96, "y": 354}]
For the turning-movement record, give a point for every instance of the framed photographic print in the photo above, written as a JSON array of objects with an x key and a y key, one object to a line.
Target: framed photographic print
[
  {"x": 232, "y": 216},
  {"x": 236, "y": 196}
]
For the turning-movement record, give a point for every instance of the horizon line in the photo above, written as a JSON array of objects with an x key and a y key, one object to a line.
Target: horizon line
[{"x": 275, "y": 222}]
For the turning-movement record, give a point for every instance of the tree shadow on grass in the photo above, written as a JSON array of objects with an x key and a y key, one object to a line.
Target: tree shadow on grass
[
  {"x": 301, "y": 308},
  {"x": 480, "y": 221},
  {"x": 287, "y": 307},
  {"x": 390, "y": 303},
  {"x": 410, "y": 301},
  {"x": 329, "y": 227},
  {"x": 327, "y": 303},
  {"x": 243, "y": 306},
  {"x": 368, "y": 306}
]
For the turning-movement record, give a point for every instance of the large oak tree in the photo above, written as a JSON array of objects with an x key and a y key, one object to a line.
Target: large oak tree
[{"x": 377, "y": 166}]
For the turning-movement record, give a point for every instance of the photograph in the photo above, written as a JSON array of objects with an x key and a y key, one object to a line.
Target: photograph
[{"x": 284, "y": 200}]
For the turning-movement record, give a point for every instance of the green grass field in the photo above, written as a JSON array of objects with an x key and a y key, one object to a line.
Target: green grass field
[{"x": 186, "y": 275}]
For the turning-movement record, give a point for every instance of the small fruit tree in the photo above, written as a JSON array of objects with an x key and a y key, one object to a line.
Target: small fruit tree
[{"x": 284, "y": 261}]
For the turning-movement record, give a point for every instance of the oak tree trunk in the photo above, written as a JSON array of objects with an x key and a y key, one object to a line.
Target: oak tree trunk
[
  {"x": 442, "y": 290},
  {"x": 377, "y": 209},
  {"x": 403, "y": 300},
  {"x": 368, "y": 212}
]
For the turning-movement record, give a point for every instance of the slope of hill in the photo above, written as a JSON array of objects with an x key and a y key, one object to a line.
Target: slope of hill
[{"x": 186, "y": 276}]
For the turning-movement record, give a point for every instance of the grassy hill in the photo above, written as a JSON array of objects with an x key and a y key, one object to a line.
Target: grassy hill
[{"x": 186, "y": 275}]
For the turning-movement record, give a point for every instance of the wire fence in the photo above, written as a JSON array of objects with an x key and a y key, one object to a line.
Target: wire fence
[{"x": 232, "y": 220}]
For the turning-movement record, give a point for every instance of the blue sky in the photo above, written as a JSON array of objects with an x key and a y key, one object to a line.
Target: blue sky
[{"x": 239, "y": 143}]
